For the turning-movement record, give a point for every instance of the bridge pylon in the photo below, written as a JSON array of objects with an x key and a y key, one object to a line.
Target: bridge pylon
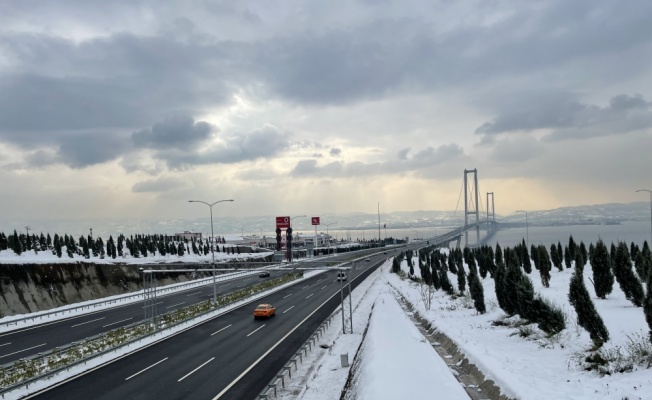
[
  {"x": 491, "y": 215},
  {"x": 471, "y": 205}
]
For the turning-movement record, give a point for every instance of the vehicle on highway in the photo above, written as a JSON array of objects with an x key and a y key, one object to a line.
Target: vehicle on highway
[
  {"x": 264, "y": 311},
  {"x": 384, "y": 252},
  {"x": 264, "y": 274},
  {"x": 367, "y": 259},
  {"x": 341, "y": 276}
]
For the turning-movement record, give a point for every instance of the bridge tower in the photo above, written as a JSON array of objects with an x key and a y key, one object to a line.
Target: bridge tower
[
  {"x": 491, "y": 215},
  {"x": 472, "y": 208}
]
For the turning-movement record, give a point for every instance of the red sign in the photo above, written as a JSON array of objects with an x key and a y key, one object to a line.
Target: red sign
[
  {"x": 315, "y": 220},
  {"x": 283, "y": 222}
]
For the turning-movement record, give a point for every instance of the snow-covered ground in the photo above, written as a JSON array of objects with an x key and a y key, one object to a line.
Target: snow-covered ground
[{"x": 395, "y": 361}]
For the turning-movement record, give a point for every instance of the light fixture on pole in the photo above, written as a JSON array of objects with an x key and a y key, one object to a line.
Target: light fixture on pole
[
  {"x": 210, "y": 206},
  {"x": 527, "y": 229},
  {"x": 650, "y": 192},
  {"x": 328, "y": 246}
]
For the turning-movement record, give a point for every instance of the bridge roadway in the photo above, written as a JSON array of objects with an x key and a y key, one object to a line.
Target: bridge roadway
[
  {"x": 231, "y": 356},
  {"x": 28, "y": 341}
]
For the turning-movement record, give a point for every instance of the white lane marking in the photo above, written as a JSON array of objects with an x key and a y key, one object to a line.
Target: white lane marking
[
  {"x": 87, "y": 322},
  {"x": 287, "y": 295},
  {"x": 288, "y": 309},
  {"x": 256, "y": 330},
  {"x": 323, "y": 287},
  {"x": 143, "y": 370},
  {"x": 221, "y": 329},
  {"x": 4, "y": 344},
  {"x": 246, "y": 371},
  {"x": 174, "y": 305},
  {"x": 194, "y": 370},
  {"x": 193, "y": 293},
  {"x": 309, "y": 296},
  {"x": 305, "y": 286},
  {"x": 20, "y": 351},
  {"x": 113, "y": 323}
]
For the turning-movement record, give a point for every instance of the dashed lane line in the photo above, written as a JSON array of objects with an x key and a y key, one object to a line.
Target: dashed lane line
[
  {"x": 261, "y": 327},
  {"x": 87, "y": 322},
  {"x": 194, "y": 370},
  {"x": 143, "y": 370},
  {"x": 228, "y": 326}
]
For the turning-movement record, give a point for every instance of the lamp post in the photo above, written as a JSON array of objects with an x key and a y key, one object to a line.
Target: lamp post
[
  {"x": 527, "y": 232},
  {"x": 210, "y": 206},
  {"x": 328, "y": 237},
  {"x": 650, "y": 192}
]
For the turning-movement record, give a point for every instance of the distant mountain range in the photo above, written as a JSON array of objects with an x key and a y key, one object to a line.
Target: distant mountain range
[{"x": 265, "y": 225}]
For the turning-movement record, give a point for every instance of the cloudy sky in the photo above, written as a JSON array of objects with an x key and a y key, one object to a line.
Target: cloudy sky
[{"x": 131, "y": 108}]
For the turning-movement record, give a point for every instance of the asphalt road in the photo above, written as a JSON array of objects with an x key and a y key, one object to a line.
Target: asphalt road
[
  {"x": 232, "y": 356},
  {"x": 42, "y": 338}
]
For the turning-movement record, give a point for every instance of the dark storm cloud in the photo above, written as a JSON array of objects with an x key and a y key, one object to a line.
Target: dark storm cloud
[
  {"x": 179, "y": 132},
  {"x": 83, "y": 150},
  {"x": 422, "y": 160},
  {"x": 264, "y": 142},
  {"x": 572, "y": 119}
]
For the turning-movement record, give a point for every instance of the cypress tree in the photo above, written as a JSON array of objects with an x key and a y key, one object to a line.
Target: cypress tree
[
  {"x": 587, "y": 316},
  {"x": 544, "y": 265},
  {"x": 444, "y": 281},
  {"x": 628, "y": 282},
  {"x": 549, "y": 318},
  {"x": 181, "y": 249},
  {"x": 567, "y": 257},
  {"x": 572, "y": 247},
  {"x": 477, "y": 291},
  {"x": 461, "y": 279},
  {"x": 601, "y": 266},
  {"x": 527, "y": 263},
  {"x": 554, "y": 256},
  {"x": 647, "y": 305},
  {"x": 583, "y": 253},
  {"x": 646, "y": 262},
  {"x": 435, "y": 276},
  {"x": 560, "y": 253},
  {"x": 499, "y": 254}
]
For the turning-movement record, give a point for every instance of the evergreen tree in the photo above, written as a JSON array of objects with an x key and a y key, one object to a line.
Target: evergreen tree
[
  {"x": 646, "y": 262},
  {"x": 633, "y": 250},
  {"x": 461, "y": 279},
  {"x": 572, "y": 247},
  {"x": 527, "y": 263},
  {"x": 567, "y": 257},
  {"x": 647, "y": 305},
  {"x": 195, "y": 249},
  {"x": 544, "y": 265},
  {"x": 444, "y": 281},
  {"x": 57, "y": 246},
  {"x": 499, "y": 254},
  {"x": 560, "y": 252},
  {"x": 477, "y": 291},
  {"x": 435, "y": 275},
  {"x": 587, "y": 316},
  {"x": 451, "y": 262},
  {"x": 17, "y": 246},
  {"x": 554, "y": 256},
  {"x": 181, "y": 249},
  {"x": 499, "y": 285},
  {"x": 583, "y": 253},
  {"x": 625, "y": 277},
  {"x": 549, "y": 318},
  {"x": 601, "y": 266}
]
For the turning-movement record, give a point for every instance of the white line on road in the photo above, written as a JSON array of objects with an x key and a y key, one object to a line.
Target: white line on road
[
  {"x": 305, "y": 286},
  {"x": 323, "y": 287},
  {"x": 113, "y": 323},
  {"x": 20, "y": 351},
  {"x": 288, "y": 309},
  {"x": 221, "y": 329},
  {"x": 87, "y": 322},
  {"x": 287, "y": 295},
  {"x": 256, "y": 330},
  {"x": 174, "y": 305},
  {"x": 309, "y": 296},
  {"x": 193, "y": 293},
  {"x": 194, "y": 370},
  {"x": 143, "y": 370},
  {"x": 4, "y": 344}
]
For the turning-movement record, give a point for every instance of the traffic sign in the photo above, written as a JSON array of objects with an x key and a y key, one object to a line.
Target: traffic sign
[
  {"x": 283, "y": 222},
  {"x": 315, "y": 220}
]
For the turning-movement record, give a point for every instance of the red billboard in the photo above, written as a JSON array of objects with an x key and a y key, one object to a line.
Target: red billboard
[
  {"x": 283, "y": 222},
  {"x": 315, "y": 220}
]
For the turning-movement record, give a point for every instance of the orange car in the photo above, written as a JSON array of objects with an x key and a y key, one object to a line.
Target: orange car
[{"x": 264, "y": 310}]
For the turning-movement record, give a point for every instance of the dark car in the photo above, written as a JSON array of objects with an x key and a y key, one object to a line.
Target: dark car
[
  {"x": 264, "y": 274},
  {"x": 341, "y": 276}
]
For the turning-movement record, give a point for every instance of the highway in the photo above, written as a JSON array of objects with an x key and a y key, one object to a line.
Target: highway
[
  {"x": 42, "y": 338},
  {"x": 231, "y": 356}
]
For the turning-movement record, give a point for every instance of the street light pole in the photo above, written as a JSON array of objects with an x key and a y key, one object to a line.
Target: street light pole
[
  {"x": 328, "y": 246},
  {"x": 650, "y": 192},
  {"x": 527, "y": 229},
  {"x": 210, "y": 206}
]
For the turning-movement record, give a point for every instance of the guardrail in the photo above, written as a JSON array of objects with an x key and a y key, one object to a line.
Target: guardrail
[
  {"x": 132, "y": 297},
  {"x": 63, "y": 358}
]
